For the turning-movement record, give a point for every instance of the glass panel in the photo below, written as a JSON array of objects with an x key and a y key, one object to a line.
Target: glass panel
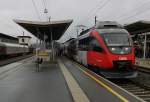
[
  {"x": 94, "y": 42},
  {"x": 118, "y": 43},
  {"x": 117, "y": 39}
]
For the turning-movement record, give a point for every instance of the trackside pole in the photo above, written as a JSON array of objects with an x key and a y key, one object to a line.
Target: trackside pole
[{"x": 145, "y": 41}]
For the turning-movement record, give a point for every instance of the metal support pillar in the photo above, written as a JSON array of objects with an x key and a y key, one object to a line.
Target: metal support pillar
[
  {"x": 23, "y": 44},
  {"x": 52, "y": 43},
  {"x": 145, "y": 44},
  {"x": 37, "y": 42}
]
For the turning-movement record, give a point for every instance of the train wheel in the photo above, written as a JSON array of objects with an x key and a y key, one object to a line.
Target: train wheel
[
  {"x": 96, "y": 70},
  {"x": 89, "y": 67}
]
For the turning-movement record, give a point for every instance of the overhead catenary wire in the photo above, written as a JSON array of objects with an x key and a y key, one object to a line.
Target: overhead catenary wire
[
  {"x": 124, "y": 17},
  {"x": 124, "y": 14},
  {"x": 44, "y": 3},
  {"x": 36, "y": 10},
  {"x": 93, "y": 9},
  {"x": 101, "y": 7},
  {"x": 45, "y": 9},
  {"x": 97, "y": 9},
  {"x": 135, "y": 14}
]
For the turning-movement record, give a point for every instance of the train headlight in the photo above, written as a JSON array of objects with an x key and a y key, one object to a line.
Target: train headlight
[
  {"x": 120, "y": 50},
  {"x": 113, "y": 49},
  {"x": 126, "y": 48}
]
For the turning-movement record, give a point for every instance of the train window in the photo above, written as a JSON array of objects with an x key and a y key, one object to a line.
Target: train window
[
  {"x": 22, "y": 40},
  {"x": 94, "y": 42},
  {"x": 95, "y": 45},
  {"x": 84, "y": 44},
  {"x": 72, "y": 47},
  {"x": 117, "y": 39}
]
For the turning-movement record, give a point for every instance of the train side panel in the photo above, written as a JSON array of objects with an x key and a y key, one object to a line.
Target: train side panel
[{"x": 82, "y": 57}]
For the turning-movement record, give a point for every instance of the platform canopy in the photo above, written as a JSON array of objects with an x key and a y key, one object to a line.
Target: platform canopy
[
  {"x": 138, "y": 27},
  {"x": 39, "y": 29}
]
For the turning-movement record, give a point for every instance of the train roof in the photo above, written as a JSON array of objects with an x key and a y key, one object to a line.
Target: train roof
[
  {"x": 112, "y": 30},
  {"x": 106, "y": 27},
  {"x": 69, "y": 40},
  {"x": 107, "y": 24},
  {"x": 24, "y": 36}
]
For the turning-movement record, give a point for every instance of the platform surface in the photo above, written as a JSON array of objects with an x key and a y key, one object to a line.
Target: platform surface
[
  {"x": 27, "y": 85},
  {"x": 143, "y": 63},
  {"x": 23, "y": 84}
]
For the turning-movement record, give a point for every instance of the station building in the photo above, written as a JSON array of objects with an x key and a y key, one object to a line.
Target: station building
[{"x": 24, "y": 40}]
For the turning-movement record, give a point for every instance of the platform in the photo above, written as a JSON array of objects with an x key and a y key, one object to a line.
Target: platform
[
  {"x": 143, "y": 63},
  {"x": 64, "y": 81}
]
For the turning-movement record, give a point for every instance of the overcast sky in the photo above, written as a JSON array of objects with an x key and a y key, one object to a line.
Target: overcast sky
[{"x": 81, "y": 11}]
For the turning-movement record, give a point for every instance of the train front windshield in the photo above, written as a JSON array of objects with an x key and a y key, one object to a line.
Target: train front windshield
[{"x": 118, "y": 43}]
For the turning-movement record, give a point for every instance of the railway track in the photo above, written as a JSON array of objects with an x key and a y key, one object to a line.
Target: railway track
[
  {"x": 11, "y": 60},
  {"x": 135, "y": 88},
  {"x": 143, "y": 69}
]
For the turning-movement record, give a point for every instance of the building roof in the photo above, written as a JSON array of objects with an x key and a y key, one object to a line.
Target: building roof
[
  {"x": 69, "y": 40},
  {"x": 7, "y": 37},
  {"x": 38, "y": 29},
  {"x": 24, "y": 37},
  {"x": 138, "y": 27}
]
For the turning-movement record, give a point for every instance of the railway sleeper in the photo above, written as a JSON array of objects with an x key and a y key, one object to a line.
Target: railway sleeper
[
  {"x": 144, "y": 95},
  {"x": 142, "y": 92},
  {"x": 132, "y": 87},
  {"x": 147, "y": 99},
  {"x": 127, "y": 84},
  {"x": 139, "y": 90}
]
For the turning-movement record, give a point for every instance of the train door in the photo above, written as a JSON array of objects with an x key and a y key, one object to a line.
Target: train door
[
  {"x": 82, "y": 50},
  {"x": 95, "y": 54}
]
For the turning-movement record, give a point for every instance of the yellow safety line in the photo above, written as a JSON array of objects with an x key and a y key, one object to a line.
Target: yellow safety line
[
  {"x": 76, "y": 91},
  {"x": 104, "y": 85}
]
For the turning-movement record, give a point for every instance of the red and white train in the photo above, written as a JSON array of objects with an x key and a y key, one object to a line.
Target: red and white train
[{"x": 106, "y": 49}]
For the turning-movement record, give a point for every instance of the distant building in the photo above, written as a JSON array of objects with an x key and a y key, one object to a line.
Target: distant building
[
  {"x": 7, "y": 38},
  {"x": 24, "y": 40}
]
